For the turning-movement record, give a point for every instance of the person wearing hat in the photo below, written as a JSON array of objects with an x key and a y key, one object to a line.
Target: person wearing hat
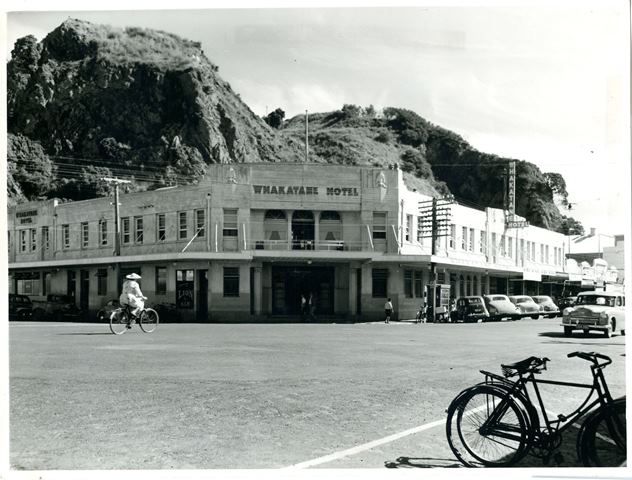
[{"x": 132, "y": 295}]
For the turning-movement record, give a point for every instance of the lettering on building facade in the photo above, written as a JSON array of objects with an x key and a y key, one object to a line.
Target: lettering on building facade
[{"x": 305, "y": 190}]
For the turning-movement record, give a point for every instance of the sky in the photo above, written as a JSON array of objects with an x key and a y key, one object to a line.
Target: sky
[{"x": 547, "y": 83}]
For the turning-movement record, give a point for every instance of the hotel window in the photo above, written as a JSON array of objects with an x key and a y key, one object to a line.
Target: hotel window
[
  {"x": 452, "y": 235},
  {"x": 472, "y": 239},
  {"x": 483, "y": 243},
  {"x": 520, "y": 253},
  {"x": 161, "y": 280},
  {"x": 199, "y": 223},
  {"x": 541, "y": 253},
  {"x": 510, "y": 247},
  {"x": 528, "y": 256},
  {"x": 494, "y": 252},
  {"x": 182, "y": 225},
  {"x": 23, "y": 239},
  {"x": 45, "y": 238},
  {"x": 420, "y": 233},
  {"x": 102, "y": 281},
  {"x": 409, "y": 227},
  {"x": 408, "y": 283},
  {"x": 104, "y": 232},
  {"x": 230, "y": 222},
  {"x": 464, "y": 238},
  {"x": 379, "y": 278},
  {"x": 161, "y": 228},
  {"x": 85, "y": 235},
  {"x": 547, "y": 258},
  {"x": 65, "y": 235},
  {"x": 231, "y": 281},
  {"x": 379, "y": 225},
  {"x": 503, "y": 250},
  {"x": 33, "y": 239},
  {"x": 138, "y": 229},
  {"x": 125, "y": 230}
]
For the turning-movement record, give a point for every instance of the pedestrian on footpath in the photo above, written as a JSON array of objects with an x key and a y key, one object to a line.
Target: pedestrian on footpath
[
  {"x": 388, "y": 310},
  {"x": 303, "y": 307}
]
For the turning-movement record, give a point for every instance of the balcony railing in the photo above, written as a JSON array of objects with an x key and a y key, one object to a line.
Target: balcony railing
[{"x": 321, "y": 245}]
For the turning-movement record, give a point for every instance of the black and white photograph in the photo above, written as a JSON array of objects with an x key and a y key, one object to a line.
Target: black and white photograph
[{"x": 316, "y": 239}]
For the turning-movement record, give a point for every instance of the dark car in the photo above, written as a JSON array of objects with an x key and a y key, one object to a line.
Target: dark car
[
  {"x": 566, "y": 302},
  {"x": 469, "y": 309},
  {"x": 20, "y": 307},
  {"x": 103, "y": 315}
]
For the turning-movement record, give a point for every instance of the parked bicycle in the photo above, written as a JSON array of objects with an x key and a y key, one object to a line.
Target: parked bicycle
[
  {"x": 496, "y": 424},
  {"x": 122, "y": 319}
]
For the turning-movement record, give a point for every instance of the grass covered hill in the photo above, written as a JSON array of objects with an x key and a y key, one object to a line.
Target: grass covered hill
[{"x": 90, "y": 101}]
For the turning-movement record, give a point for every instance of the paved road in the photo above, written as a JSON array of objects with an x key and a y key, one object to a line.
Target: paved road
[{"x": 266, "y": 396}]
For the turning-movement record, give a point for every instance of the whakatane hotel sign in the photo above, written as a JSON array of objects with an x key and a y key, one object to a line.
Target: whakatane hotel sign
[{"x": 300, "y": 190}]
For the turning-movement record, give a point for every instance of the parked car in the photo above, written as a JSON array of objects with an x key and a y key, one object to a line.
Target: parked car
[
  {"x": 547, "y": 306},
  {"x": 168, "y": 312},
  {"x": 56, "y": 307},
  {"x": 566, "y": 302},
  {"x": 601, "y": 311},
  {"x": 20, "y": 307},
  {"x": 469, "y": 309},
  {"x": 500, "y": 307},
  {"x": 103, "y": 315},
  {"x": 528, "y": 308}
]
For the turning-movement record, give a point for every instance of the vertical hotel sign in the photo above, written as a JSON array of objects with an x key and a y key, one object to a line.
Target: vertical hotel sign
[{"x": 511, "y": 189}]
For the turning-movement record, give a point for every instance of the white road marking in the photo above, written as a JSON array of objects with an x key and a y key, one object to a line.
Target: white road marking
[{"x": 367, "y": 446}]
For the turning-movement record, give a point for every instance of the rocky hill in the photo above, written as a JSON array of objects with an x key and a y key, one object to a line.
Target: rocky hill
[{"x": 90, "y": 101}]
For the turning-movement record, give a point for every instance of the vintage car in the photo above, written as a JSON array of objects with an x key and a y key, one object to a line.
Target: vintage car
[
  {"x": 547, "y": 306},
  {"x": 528, "y": 308},
  {"x": 565, "y": 302},
  {"x": 56, "y": 307},
  {"x": 602, "y": 311},
  {"x": 469, "y": 309},
  {"x": 500, "y": 307},
  {"x": 103, "y": 315},
  {"x": 20, "y": 307}
]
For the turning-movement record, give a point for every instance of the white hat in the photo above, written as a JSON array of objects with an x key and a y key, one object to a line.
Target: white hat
[{"x": 133, "y": 276}]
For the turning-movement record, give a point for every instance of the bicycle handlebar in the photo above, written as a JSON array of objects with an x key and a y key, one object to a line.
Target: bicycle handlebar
[{"x": 592, "y": 357}]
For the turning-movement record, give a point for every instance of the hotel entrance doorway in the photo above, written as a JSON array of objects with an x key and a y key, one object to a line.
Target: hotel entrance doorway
[{"x": 290, "y": 282}]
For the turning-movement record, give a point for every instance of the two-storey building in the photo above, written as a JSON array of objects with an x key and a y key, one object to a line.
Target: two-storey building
[{"x": 248, "y": 240}]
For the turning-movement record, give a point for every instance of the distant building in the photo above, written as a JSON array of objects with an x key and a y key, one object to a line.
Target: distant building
[
  {"x": 615, "y": 257},
  {"x": 249, "y": 239}
]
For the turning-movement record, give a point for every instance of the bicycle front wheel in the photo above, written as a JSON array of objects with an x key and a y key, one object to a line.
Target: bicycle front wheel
[
  {"x": 148, "y": 320},
  {"x": 118, "y": 322},
  {"x": 491, "y": 428},
  {"x": 602, "y": 439}
]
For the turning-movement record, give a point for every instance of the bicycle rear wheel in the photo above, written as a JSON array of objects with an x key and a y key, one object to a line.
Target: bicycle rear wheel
[
  {"x": 148, "y": 320},
  {"x": 491, "y": 428},
  {"x": 602, "y": 439},
  {"x": 118, "y": 322}
]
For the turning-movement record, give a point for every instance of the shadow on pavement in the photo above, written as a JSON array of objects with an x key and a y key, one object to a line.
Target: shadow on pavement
[{"x": 422, "y": 462}]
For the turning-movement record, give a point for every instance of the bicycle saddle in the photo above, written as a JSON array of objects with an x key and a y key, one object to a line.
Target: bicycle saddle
[{"x": 523, "y": 366}]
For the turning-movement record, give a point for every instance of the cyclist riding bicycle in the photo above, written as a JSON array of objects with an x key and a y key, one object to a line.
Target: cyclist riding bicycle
[{"x": 132, "y": 296}]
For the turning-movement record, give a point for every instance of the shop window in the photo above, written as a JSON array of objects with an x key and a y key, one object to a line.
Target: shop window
[
  {"x": 231, "y": 281},
  {"x": 125, "y": 230},
  {"x": 230, "y": 222},
  {"x": 199, "y": 223},
  {"x": 380, "y": 282},
  {"x": 379, "y": 225},
  {"x": 102, "y": 281},
  {"x": 161, "y": 227},
  {"x": 182, "y": 225},
  {"x": 161, "y": 280},
  {"x": 138, "y": 230},
  {"x": 408, "y": 283}
]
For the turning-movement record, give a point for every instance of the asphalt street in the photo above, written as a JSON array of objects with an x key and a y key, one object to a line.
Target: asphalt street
[{"x": 297, "y": 396}]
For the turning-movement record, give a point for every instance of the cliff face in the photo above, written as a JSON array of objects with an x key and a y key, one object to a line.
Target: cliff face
[{"x": 132, "y": 97}]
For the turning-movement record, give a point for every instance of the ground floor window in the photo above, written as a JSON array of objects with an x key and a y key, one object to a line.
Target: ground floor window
[
  {"x": 231, "y": 281},
  {"x": 408, "y": 283},
  {"x": 102, "y": 281},
  {"x": 419, "y": 292},
  {"x": 380, "y": 282}
]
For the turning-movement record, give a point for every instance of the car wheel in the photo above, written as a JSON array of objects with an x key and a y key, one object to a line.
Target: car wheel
[
  {"x": 610, "y": 330},
  {"x": 586, "y": 333},
  {"x": 623, "y": 332},
  {"x": 568, "y": 331},
  {"x": 535, "y": 317},
  {"x": 38, "y": 315}
]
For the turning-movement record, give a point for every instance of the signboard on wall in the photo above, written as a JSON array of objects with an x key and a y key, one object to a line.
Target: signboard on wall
[{"x": 184, "y": 289}]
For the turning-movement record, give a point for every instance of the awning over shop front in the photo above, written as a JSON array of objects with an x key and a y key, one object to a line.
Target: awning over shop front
[{"x": 532, "y": 276}]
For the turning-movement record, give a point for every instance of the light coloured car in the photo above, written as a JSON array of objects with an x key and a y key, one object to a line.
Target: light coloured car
[
  {"x": 602, "y": 311},
  {"x": 547, "y": 305},
  {"x": 500, "y": 307},
  {"x": 528, "y": 308}
]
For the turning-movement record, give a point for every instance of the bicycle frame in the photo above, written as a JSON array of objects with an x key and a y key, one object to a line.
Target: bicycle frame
[{"x": 552, "y": 427}]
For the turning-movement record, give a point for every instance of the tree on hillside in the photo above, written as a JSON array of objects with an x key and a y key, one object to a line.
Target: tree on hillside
[
  {"x": 558, "y": 185},
  {"x": 570, "y": 226},
  {"x": 30, "y": 167},
  {"x": 275, "y": 118}
]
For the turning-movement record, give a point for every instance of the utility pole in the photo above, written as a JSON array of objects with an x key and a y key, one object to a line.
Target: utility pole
[
  {"x": 117, "y": 219},
  {"x": 306, "y": 137},
  {"x": 435, "y": 217}
]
